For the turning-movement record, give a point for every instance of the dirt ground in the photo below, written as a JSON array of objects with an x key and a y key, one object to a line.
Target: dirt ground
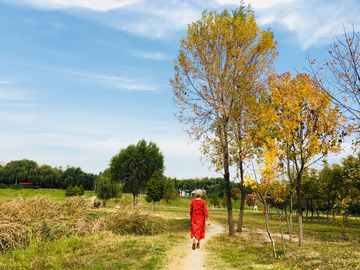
[{"x": 195, "y": 259}]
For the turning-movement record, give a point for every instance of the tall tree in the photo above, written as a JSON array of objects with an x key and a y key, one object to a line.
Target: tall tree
[
  {"x": 134, "y": 166},
  {"x": 218, "y": 54},
  {"x": 307, "y": 126}
]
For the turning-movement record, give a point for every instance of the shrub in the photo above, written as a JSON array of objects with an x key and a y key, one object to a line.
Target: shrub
[
  {"x": 76, "y": 191},
  {"x": 130, "y": 219},
  {"x": 69, "y": 191},
  {"x": 3, "y": 186},
  {"x": 82, "y": 192},
  {"x": 17, "y": 187}
]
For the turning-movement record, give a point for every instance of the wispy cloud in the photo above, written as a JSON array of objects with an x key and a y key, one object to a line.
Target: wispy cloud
[
  {"x": 313, "y": 23},
  {"x": 15, "y": 94},
  {"x": 108, "y": 81},
  {"x": 258, "y": 4},
  {"x": 11, "y": 117},
  {"x": 94, "y": 5},
  {"x": 149, "y": 55},
  {"x": 5, "y": 82},
  {"x": 121, "y": 83},
  {"x": 19, "y": 105}
]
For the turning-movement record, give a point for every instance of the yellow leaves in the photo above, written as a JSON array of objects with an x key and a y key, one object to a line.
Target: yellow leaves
[{"x": 304, "y": 116}]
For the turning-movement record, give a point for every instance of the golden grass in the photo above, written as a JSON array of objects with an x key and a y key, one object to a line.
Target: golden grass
[{"x": 39, "y": 218}]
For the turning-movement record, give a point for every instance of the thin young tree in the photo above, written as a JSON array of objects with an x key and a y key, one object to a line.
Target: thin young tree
[{"x": 155, "y": 188}]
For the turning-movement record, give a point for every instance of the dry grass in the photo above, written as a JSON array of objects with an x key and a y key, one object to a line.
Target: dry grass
[
  {"x": 39, "y": 218},
  {"x": 38, "y": 233}
]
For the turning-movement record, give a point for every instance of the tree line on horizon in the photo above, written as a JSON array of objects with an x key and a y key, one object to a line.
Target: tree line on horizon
[{"x": 45, "y": 176}]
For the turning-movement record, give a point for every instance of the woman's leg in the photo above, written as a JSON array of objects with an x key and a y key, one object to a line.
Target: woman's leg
[
  {"x": 198, "y": 243},
  {"x": 193, "y": 242}
]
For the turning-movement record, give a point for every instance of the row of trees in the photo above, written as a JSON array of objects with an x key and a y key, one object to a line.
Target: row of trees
[
  {"x": 45, "y": 176},
  {"x": 232, "y": 101}
]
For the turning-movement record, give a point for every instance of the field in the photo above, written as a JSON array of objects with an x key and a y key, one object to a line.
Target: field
[
  {"x": 54, "y": 194},
  {"x": 162, "y": 241}
]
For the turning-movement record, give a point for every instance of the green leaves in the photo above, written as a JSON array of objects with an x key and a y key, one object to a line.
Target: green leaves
[{"x": 135, "y": 165}]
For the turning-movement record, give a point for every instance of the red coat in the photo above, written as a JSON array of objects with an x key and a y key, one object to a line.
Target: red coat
[{"x": 198, "y": 212}]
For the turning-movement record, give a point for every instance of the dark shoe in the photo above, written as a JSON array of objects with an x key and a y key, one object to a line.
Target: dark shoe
[
  {"x": 198, "y": 245},
  {"x": 193, "y": 246}
]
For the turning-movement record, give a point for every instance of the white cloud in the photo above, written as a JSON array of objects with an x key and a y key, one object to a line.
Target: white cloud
[
  {"x": 19, "y": 104},
  {"x": 5, "y": 82},
  {"x": 313, "y": 23},
  {"x": 154, "y": 55},
  {"x": 121, "y": 82},
  {"x": 109, "y": 81},
  {"x": 256, "y": 3},
  {"x": 170, "y": 148},
  {"x": 95, "y": 5},
  {"x": 22, "y": 118}
]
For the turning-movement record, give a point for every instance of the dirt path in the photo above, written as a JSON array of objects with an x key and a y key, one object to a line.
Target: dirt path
[{"x": 195, "y": 259}]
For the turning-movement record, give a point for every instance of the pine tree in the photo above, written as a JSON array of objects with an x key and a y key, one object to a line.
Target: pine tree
[
  {"x": 148, "y": 199},
  {"x": 69, "y": 191},
  {"x": 82, "y": 192},
  {"x": 155, "y": 188},
  {"x": 215, "y": 198},
  {"x": 76, "y": 191}
]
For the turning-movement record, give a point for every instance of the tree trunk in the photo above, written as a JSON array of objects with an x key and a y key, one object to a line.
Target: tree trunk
[
  {"x": 306, "y": 211},
  {"x": 153, "y": 205},
  {"x": 318, "y": 213},
  {"x": 268, "y": 231},
  {"x": 290, "y": 215},
  {"x": 227, "y": 184},
  {"x": 312, "y": 212},
  {"x": 298, "y": 189},
  {"x": 242, "y": 205},
  {"x": 134, "y": 199},
  {"x": 327, "y": 215},
  {"x": 281, "y": 231}
]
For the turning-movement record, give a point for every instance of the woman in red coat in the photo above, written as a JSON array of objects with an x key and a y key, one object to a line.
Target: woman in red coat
[{"x": 198, "y": 212}]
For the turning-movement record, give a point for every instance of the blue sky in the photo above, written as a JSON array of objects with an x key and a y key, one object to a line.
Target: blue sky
[{"x": 81, "y": 79}]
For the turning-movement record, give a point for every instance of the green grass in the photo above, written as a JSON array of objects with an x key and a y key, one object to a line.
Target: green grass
[
  {"x": 103, "y": 250},
  {"x": 54, "y": 194},
  {"x": 324, "y": 247}
]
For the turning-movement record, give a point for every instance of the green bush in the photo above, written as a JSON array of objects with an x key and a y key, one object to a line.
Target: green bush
[
  {"x": 82, "y": 192},
  {"x": 3, "y": 186},
  {"x": 76, "y": 191},
  {"x": 69, "y": 191},
  {"x": 17, "y": 187}
]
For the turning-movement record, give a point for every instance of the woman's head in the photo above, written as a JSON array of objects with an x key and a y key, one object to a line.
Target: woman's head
[{"x": 198, "y": 193}]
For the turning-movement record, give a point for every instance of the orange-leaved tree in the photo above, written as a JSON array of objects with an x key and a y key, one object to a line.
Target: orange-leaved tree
[
  {"x": 219, "y": 59},
  {"x": 268, "y": 171},
  {"x": 307, "y": 127}
]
